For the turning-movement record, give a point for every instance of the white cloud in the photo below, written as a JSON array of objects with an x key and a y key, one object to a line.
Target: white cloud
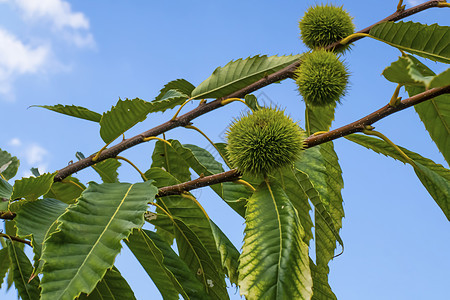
[
  {"x": 31, "y": 155},
  {"x": 15, "y": 142},
  {"x": 58, "y": 12},
  {"x": 17, "y": 58},
  {"x": 73, "y": 25},
  {"x": 70, "y": 25},
  {"x": 81, "y": 40},
  {"x": 35, "y": 154},
  {"x": 20, "y": 57},
  {"x": 414, "y": 2}
]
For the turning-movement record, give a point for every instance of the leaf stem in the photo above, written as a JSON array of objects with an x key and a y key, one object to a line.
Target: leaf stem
[
  {"x": 95, "y": 158},
  {"x": 443, "y": 4},
  {"x": 156, "y": 138},
  {"x": 245, "y": 183},
  {"x": 211, "y": 142},
  {"x": 74, "y": 183},
  {"x": 193, "y": 199},
  {"x": 179, "y": 109},
  {"x": 229, "y": 100},
  {"x": 369, "y": 131},
  {"x": 134, "y": 166},
  {"x": 395, "y": 99},
  {"x": 307, "y": 126},
  {"x": 353, "y": 36},
  {"x": 400, "y": 6}
]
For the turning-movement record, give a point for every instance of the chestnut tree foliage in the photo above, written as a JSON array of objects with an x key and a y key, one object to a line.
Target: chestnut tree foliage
[{"x": 76, "y": 230}]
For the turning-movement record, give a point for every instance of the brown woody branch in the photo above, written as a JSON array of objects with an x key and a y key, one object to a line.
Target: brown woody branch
[
  {"x": 15, "y": 238},
  {"x": 7, "y": 215},
  {"x": 231, "y": 175},
  {"x": 207, "y": 107},
  {"x": 313, "y": 140}
]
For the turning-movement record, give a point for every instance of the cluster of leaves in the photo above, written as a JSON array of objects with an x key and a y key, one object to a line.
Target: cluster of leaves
[{"x": 76, "y": 231}]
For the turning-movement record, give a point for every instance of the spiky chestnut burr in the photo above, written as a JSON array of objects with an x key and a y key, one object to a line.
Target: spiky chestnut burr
[
  {"x": 264, "y": 141},
  {"x": 323, "y": 25},
  {"x": 321, "y": 78}
]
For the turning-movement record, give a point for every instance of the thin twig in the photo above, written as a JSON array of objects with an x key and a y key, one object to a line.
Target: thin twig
[
  {"x": 358, "y": 126},
  {"x": 7, "y": 215},
  {"x": 15, "y": 238},
  {"x": 177, "y": 189}
]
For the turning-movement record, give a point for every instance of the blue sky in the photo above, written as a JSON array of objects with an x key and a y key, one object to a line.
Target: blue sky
[{"x": 90, "y": 53}]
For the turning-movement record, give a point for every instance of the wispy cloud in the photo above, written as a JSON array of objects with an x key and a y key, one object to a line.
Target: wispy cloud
[
  {"x": 31, "y": 155},
  {"x": 73, "y": 25},
  {"x": 17, "y": 58},
  {"x": 57, "y": 12},
  {"x": 414, "y": 2}
]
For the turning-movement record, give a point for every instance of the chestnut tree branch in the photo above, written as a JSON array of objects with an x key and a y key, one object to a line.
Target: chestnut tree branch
[
  {"x": 204, "y": 108},
  {"x": 15, "y": 238},
  {"x": 313, "y": 140}
]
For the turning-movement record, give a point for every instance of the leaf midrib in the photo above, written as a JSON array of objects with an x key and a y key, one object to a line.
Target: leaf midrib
[
  {"x": 161, "y": 264},
  {"x": 281, "y": 237},
  {"x": 98, "y": 240},
  {"x": 241, "y": 78},
  {"x": 440, "y": 115},
  {"x": 20, "y": 270}
]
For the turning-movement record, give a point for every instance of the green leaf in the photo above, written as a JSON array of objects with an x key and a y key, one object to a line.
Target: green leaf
[
  {"x": 429, "y": 41},
  {"x": 107, "y": 169},
  {"x": 88, "y": 237},
  {"x": 170, "y": 99},
  {"x": 35, "y": 172},
  {"x": 74, "y": 111},
  {"x": 174, "y": 93},
  {"x": 252, "y": 102},
  {"x": 163, "y": 225},
  {"x": 5, "y": 192},
  {"x": 274, "y": 263},
  {"x": 4, "y": 264},
  {"x": 196, "y": 256},
  {"x": 319, "y": 118},
  {"x": 320, "y": 209},
  {"x": 204, "y": 164},
  {"x": 434, "y": 113},
  {"x": 35, "y": 218},
  {"x": 112, "y": 286},
  {"x": 239, "y": 74},
  {"x": 32, "y": 187},
  {"x": 181, "y": 85},
  {"x": 168, "y": 271},
  {"x": 68, "y": 190},
  {"x": 434, "y": 177},
  {"x": 321, "y": 164},
  {"x": 408, "y": 70},
  {"x": 228, "y": 253},
  {"x": 122, "y": 117},
  {"x": 188, "y": 210},
  {"x": 321, "y": 287},
  {"x": 165, "y": 156},
  {"x": 8, "y": 165},
  {"x": 22, "y": 270},
  {"x": 325, "y": 177},
  {"x": 294, "y": 189}
]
